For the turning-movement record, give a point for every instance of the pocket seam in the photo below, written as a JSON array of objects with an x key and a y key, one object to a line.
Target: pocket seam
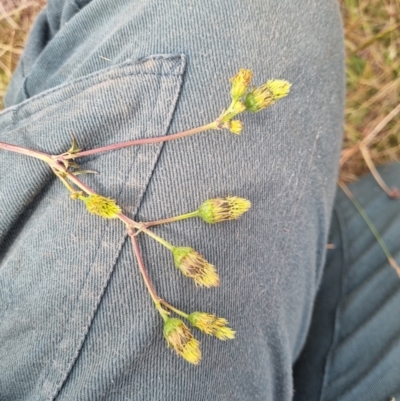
[{"x": 180, "y": 62}]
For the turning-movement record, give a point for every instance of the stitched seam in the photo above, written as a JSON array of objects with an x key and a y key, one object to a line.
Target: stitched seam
[
  {"x": 17, "y": 108},
  {"x": 73, "y": 4},
  {"x": 174, "y": 104},
  {"x": 90, "y": 317}
]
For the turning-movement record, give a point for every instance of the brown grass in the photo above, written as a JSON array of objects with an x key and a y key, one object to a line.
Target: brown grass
[
  {"x": 16, "y": 17},
  {"x": 372, "y": 29}
]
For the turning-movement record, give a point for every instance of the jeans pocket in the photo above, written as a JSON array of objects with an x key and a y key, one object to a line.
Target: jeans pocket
[{"x": 55, "y": 258}]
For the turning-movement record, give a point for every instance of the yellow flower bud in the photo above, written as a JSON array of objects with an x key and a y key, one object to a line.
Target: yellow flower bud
[
  {"x": 180, "y": 338},
  {"x": 101, "y": 206},
  {"x": 236, "y": 127},
  {"x": 194, "y": 266},
  {"x": 258, "y": 99},
  {"x": 212, "y": 325},
  {"x": 223, "y": 209},
  {"x": 240, "y": 83},
  {"x": 267, "y": 94},
  {"x": 279, "y": 88}
]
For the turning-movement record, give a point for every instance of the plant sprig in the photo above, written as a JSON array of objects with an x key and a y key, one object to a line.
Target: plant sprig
[{"x": 191, "y": 263}]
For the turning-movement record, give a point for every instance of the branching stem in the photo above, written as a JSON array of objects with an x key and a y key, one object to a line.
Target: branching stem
[
  {"x": 162, "y": 241},
  {"x": 177, "y": 311}
]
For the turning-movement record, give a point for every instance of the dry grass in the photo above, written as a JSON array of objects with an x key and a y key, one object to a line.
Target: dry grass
[
  {"x": 372, "y": 29},
  {"x": 16, "y": 17},
  {"x": 373, "y": 74}
]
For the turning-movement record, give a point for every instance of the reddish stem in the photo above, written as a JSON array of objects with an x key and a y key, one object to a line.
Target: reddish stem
[
  {"x": 137, "y": 142},
  {"x": 25, "y": 151},
  {"x": 142, "y": 268}
]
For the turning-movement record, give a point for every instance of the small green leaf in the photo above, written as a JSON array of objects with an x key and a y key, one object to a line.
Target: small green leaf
[
  {"x": 79, "y": 172},
  {"x": 74, "y": 147}
]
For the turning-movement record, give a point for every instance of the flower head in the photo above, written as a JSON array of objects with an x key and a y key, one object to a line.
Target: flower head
[
  {"x": 240, "y": 83},
  {"x": 193, "y": 265},
  {"x": 180, "y": 338},
  {"x": 235, "y": 126},
  {"x": 279, "y": 88},
  {"x": 212, "y": 325},
  {"x": 101, "y": 206},
  {"x": 223, "y": 209},
  {"x": 267, "y": 94}
]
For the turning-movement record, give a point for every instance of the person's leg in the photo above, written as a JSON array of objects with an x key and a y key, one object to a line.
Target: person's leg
[
  {"x": 353, "y": 348},
  {"x": 76, "y": 319}
]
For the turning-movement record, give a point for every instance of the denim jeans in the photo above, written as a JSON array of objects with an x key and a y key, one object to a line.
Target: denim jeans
[{"x": 76, "y": 321}]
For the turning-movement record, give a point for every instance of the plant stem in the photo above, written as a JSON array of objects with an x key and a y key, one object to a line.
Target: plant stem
[
  {"x": 64, "y": 181},
  {"x": 177, "y": 311},
  {"x": 27, "y": 152},
  {"x": 142, "y": 269},
  {"x": 172, "y": 219},
  {"x": 156, "y": 237},
  {"x": 371, "y": 226},
  {"x": 156, "y": 299},
  {"x": 56, "y": 165},
  {"x": 77, "y": 181},
  {"x": 141, "y": 228},
  {"x": 129, "y": 222},
  {"x": 137, "y": 142}
]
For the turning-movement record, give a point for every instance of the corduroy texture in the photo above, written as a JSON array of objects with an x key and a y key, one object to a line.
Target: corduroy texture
[
  {"x": 353, "y": 348},
  {"x": 76, "y": 322}
]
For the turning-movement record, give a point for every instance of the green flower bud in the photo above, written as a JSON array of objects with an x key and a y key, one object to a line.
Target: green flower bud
[
  {"x": 193, "y": 265},
  {"x": 240, "y": 83},
  {"x": 180, "y": 338},
  {"x": 101, "y": 206},
  {"x": 223, "y": 209},
  {"x": 212, "y": 325},
  {"x": 266, "y": 95}
]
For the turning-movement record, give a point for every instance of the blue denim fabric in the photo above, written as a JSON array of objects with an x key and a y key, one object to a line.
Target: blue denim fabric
[{"x": 76, "y": 321}]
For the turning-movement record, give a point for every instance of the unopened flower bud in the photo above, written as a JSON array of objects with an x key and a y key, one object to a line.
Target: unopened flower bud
[
  {"x": 279, "y": 88},
  {"x": 180, "y": 338},
  {"x": 266, "y": 95},
  {"x": 101, "y": 206},
  {"x": 194, "y": 266},
  {"x": 223, "y": 209},
  {"x": 240, "y": 83},
  {"x": 235, "y": 126},
  {"x": 212, "y": 325}
]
